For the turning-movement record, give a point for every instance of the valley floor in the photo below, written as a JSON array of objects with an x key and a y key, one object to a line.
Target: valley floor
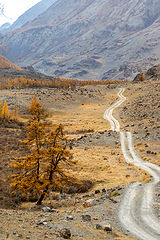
[{"x": 98, "y": 154}]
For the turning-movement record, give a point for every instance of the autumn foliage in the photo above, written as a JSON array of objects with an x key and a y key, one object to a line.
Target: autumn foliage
[
  {"x": 4, "y": 111},
  {"x": 36, "y": 110},
  {"x": 4, "y": 63},
  {"x": 141, "y": 77},
  {"x": 56, "y": 82},
  {"x": 44, "y": 166},
  {"x": 7, "y": 115}
]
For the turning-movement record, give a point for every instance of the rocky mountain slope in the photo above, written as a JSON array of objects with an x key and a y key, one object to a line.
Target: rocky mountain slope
[
  {"x": 153, "y": 73},
  {"x": 89, "y": 39},
  {"x": 10, "y": 70}
]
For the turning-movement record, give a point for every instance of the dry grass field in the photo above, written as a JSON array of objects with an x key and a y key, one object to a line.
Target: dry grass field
[{"x": 96, "y": 149}]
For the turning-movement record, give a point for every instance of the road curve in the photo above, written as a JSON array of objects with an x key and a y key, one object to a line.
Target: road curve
[
  {"x": 115, "y": 126},
  {"x": 136, "y": 213}
]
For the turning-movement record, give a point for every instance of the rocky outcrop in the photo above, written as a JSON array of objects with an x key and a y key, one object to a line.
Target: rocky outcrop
[
  {"x": 89, "y": 39},
  {"x": 152, "y": 73}
]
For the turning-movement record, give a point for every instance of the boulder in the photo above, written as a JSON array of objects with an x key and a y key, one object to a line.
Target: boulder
[
  {"x": 89, "y": 203},
  {"x": 48, "y": 209},
  {"x": 65, "y": 233},
  {"x": 104, "y": 226},
  {"x": 86, "y": 218},
  {"x": 43, "y": 222},
  {"x": 69, "y": 217}
]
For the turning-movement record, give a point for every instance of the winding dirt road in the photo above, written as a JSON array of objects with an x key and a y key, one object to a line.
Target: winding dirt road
[
  {"x": 115, "y": 126},
  {"x": 136, "y": 213}
]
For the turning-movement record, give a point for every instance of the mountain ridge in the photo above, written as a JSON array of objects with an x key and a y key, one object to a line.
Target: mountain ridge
[
  {"x": 28, "y": 15},
  {"x": 89, "y": 39}
]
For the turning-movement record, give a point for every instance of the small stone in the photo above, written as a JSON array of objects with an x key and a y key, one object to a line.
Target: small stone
[
  {"x": 89, "y": 203},
  {"x": 148, "y": 152},
  {"x": 97, "y": 191},
  {"x": 99, "y": 227},
  {"x": 107, "y": 228},
  {"x": 65, "y": 233},
  {"x": 48, "y": 209},
  {"x": 86, "y": 218},
  {"x": 43, "y": 222},
  {"x": 69, "y": 217},
  {"x": 103, "y": 190}
]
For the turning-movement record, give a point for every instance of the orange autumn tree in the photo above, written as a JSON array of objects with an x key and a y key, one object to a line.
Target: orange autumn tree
[
  {"x": 1, "y": 105},
  {"x": 57, "y": 157},
  {"x": 43, "y": 166},
  {"x": 14, "y": 113},
  {"x": 5, "y": 115},
  {"x": 36, "y": 110},
  {"x": 29, "y": 177}
]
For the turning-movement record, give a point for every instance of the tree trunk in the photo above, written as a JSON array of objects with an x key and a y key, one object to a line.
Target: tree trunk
[{"x": 39, "y": 202}]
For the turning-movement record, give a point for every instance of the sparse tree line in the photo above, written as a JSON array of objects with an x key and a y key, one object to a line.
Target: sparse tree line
[
  {"x": 47, "y": 159},
  {"x": 22, "y": 82}
]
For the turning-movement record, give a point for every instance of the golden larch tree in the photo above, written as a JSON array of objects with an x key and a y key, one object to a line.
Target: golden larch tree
[
  {"x": 1, "y": 105},
  {"x": 36, "y": 110},
  {"x": 14, "y": 113},
  {"x": 44, "y": 165},
  {"x": 29, "y": 177},
  {"x": 56, "y": 156},
  {"x": 5, "y": 115}
]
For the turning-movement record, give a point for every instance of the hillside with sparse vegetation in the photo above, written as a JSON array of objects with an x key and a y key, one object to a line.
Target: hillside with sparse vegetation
[{"x": 4, "y": 63}]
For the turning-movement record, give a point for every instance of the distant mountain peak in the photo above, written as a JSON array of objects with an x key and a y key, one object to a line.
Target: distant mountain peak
[
  {"x": 29, "y": 15},
  {"x": 3, "y": 18}
]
